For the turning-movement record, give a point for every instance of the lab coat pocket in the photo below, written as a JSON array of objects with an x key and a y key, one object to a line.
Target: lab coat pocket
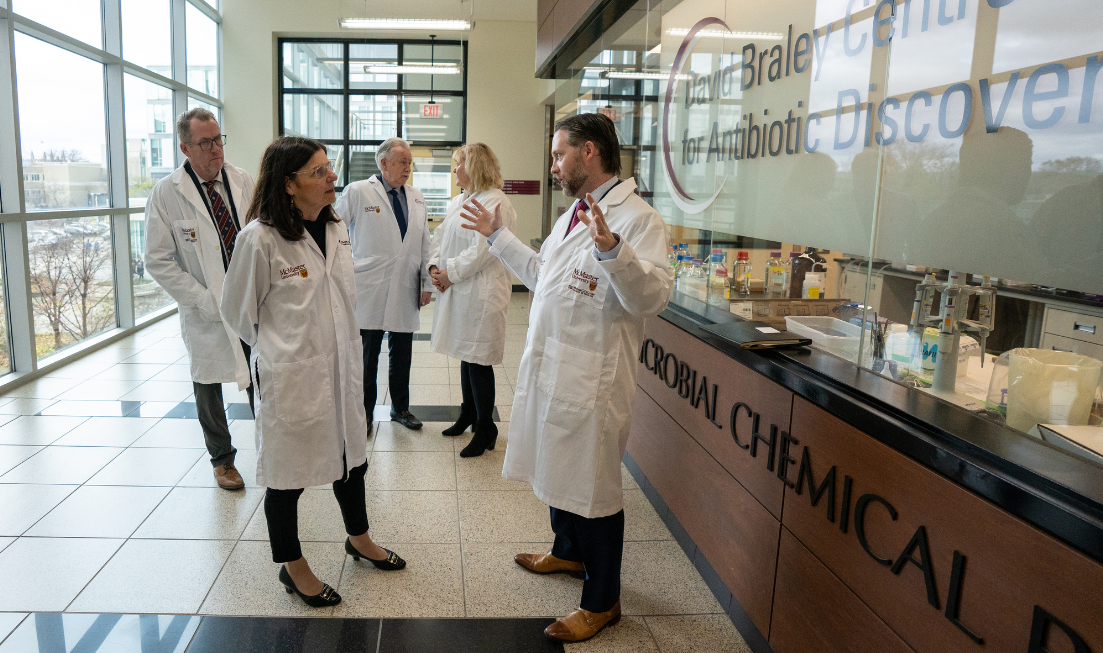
[
  {"x": 569, "y": 375},
  {"x": 372, "y": 270},
  {"x": 301, "y": 390}
]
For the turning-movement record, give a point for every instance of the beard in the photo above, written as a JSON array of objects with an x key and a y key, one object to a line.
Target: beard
[{"x": 573, "y": 181}]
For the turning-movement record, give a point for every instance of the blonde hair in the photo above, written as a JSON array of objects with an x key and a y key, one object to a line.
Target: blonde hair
[{"x": 481, "y": 165}]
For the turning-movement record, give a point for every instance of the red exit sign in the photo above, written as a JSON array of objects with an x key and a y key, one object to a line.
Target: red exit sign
[{"x": 430, "y": 111}]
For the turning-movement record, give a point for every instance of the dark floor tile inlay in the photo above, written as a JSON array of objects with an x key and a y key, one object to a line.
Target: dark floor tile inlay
[
  {"x": 463, "y": 635},
  {"x": 285, "y": 635},
  {"x": 432, "y": 413}
]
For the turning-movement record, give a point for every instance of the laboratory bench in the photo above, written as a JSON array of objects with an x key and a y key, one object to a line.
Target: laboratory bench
[{"x": 832, "y": 509}]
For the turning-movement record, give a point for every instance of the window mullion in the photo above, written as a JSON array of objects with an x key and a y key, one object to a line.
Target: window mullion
[
  {"x": 117, "y": 172},
  {"x": 17, "y": 272}
]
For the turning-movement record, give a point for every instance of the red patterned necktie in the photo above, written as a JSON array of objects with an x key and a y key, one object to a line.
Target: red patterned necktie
[
  {"x": 226, "y": 227},
  {"x": 583, "y": 206}
]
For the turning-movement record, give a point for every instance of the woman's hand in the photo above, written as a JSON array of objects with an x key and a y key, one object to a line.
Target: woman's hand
[{"x": 440, "y": 278}]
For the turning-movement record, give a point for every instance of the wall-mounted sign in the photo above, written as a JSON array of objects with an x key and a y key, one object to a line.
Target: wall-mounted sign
[
  {"x": 521, "y": 187},
  {"x": 610, "y": 112},
  {"x": 431, "y": 111}
]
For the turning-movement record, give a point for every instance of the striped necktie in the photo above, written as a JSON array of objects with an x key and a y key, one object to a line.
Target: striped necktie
[
  {"x": 227, "y": 230},
  {"x": 582, "y": 206}
]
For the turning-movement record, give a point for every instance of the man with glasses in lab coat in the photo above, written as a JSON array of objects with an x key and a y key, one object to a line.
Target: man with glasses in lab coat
[{"x": 193, "y": 217}]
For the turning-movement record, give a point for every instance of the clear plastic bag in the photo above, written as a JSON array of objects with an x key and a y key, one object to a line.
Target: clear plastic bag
[{"x": 1049, "y": 387}]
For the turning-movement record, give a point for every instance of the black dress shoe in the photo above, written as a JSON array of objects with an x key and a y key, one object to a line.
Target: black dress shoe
[
  {"x": 326, "y": 598},
  {"x": 407, "y": 419},
  {"x": 391, "y": 563},
  {"x": 467, "y": 418},
  {"x": 484, "y": 440}
]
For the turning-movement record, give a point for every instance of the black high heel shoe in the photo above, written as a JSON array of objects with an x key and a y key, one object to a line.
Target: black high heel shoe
[
  {"x": 328, "y": 597},
  {"x": 391, "y": 563},
  {"x": 484, "y": 440},
  {"x": 467, "y": 418}
]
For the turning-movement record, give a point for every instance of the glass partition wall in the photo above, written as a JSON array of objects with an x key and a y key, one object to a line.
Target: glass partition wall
[
  {"x": 86, "y": 134},
  {"x": 917, "y": 187}
]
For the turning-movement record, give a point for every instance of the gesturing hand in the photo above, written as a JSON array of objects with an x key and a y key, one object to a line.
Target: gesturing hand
[
  {"x": 604, "y": 239},
  {"x": 480, "y": 219}
]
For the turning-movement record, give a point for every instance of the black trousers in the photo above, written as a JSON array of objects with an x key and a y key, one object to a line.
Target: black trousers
[
  {"x": 400, "y": 348},
  {"x": 281, "y": 508},
  {"x": 597, "y": 543},
  {"x": 477, "y": 384},
  {"x": 212, "y": 418}
]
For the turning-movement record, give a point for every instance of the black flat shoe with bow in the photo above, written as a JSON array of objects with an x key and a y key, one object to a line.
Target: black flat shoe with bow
[
  {"x": 328, "y": 597},
  {"x": 391, "y": 563}
]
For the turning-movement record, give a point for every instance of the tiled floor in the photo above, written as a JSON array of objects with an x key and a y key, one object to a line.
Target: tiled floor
[{"x": 108, "y": 505}]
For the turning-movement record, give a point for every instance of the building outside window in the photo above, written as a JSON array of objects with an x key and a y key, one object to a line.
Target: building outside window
[{"x": 87, "y": 170}]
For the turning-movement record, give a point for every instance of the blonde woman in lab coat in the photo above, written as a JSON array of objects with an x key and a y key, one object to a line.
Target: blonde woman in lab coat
[
  {"x": 289, "y": 294},
  {"x": 469, "y": 322}
]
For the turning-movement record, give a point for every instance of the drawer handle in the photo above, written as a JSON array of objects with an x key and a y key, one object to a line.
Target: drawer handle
[
  {"x": 1055, "y": 348},
  {"x": 1087, "y": 328}
]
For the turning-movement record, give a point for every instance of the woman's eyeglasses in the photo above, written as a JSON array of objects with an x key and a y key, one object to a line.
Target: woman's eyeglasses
[{"x": 320, "y": 172}]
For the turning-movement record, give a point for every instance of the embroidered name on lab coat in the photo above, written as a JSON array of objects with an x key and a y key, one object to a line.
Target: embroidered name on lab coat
[
  {"x": 294, "y": 271},
  {"x": 588, "y": 283},
  {"x": 371, "y": 209},
  {"x": 345, "y": 242},
  {"x": 188, "y": 234}
]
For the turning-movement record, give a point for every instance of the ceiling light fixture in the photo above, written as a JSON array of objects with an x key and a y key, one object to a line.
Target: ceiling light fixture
[
  {"x": 627, "y": 74},
  {"x": 720, "y": 33},
  {"x": 439, "y": 69},
  {"x": 407, "y": 24}
]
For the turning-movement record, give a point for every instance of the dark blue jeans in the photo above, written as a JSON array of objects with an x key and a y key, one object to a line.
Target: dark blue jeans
[{"x": 597, "y": 543}]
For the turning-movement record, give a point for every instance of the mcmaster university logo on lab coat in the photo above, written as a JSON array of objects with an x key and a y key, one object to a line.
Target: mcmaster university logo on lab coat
[{"x": 296, "y": 270}]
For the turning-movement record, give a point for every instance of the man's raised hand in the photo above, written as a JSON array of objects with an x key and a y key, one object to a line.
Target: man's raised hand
[
  {"x": 478, "y": 218},
  {"x": 604, "y": 239}
]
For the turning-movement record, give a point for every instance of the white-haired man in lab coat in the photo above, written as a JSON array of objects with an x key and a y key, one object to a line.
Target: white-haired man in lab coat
[{"x": 598, "y": 275}]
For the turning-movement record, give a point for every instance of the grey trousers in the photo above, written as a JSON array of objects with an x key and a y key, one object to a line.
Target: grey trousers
[{"x": 212, "y": 418}]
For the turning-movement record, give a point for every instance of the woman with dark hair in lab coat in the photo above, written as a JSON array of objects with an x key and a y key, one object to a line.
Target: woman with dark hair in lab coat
[
  {"x": 469, "y": 322},
  {"x": 289, "y": 294}
]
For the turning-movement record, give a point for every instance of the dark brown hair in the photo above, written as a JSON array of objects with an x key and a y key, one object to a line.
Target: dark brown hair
[
  {"x": 599, "y": 130},
  {"x": 271, "y": 204}
]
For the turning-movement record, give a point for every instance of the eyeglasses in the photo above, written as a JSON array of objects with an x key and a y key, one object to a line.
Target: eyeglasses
[
  {"x": 207, "y": 143},
  {"x": 320, "y": 172}
]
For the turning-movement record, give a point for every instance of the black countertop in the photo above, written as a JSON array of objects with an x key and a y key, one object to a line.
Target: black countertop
[{"x": 1039, "y": 483}]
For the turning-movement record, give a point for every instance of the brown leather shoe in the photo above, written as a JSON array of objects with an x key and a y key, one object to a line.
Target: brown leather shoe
[
  {"x": 546, "y": 563},
  {"x": 581, "y": 625},
  {"x": 228, "y": 478}
]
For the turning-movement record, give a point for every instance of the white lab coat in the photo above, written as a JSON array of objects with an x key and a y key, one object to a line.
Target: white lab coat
[
  {"x": 386, "y": 265},
  {"x": 184, "y": 255},
  {"x": 296, "y": 310},
  {"x": 573, "y": 404},
  {"x": 469, "y": 322}
]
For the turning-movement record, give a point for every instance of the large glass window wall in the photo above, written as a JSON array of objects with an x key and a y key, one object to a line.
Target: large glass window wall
[
  {"x": 918, "y": 191},
  {"x": 342, "y": 93},
  {"x": 91, "y": 132}
]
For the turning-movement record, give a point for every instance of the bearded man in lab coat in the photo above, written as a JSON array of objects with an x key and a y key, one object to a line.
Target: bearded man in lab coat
[
  {"x": 388, "y": 224},
  {"x": 598, "y": 275},
  {"x": 192, "y": 221}
]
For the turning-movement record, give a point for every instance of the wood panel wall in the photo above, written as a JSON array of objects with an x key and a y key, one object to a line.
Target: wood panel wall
[{"x": 904, "y": 559}]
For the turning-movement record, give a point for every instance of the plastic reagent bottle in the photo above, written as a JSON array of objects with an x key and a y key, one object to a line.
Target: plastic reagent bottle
[
  {"x": 743, "y": 274},
  {"x": 777, "y": 284}
]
